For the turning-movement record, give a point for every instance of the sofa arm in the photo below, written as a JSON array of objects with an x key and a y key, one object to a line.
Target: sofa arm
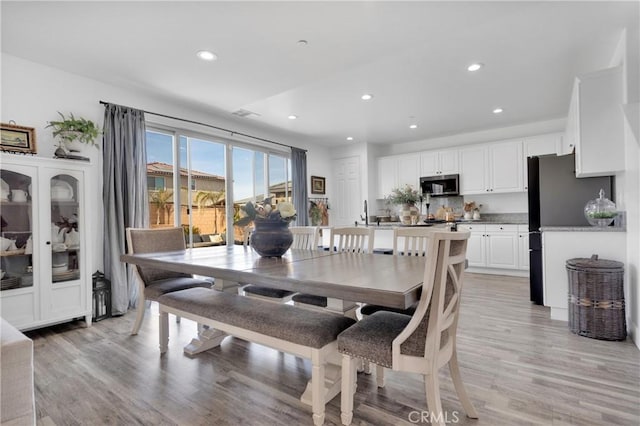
[{"x": 17, "y": 401}]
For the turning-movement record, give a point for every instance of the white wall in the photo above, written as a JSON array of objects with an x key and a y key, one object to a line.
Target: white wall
[
  {"x": 482, "y": 136},
  {"x": 32, "y": 94},
  {"x": 501, "y": 203}
]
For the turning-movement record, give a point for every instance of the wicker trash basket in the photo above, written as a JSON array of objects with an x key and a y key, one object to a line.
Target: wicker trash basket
[{"x": 596, "y": 298}]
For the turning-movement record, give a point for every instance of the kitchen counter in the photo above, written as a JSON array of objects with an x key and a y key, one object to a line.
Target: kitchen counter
[{"x": 582, "y": 229}]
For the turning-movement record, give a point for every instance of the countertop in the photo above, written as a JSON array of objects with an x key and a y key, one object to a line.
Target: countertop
[{"x": 582, "y": 229}]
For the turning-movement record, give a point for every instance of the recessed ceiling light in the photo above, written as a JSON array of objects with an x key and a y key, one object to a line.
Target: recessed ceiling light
[
  {"x": 349, "y": 138},
  {"x": 497, "y": 110},
  {"x": 475, "y": 67},
  {"x": 293, "y": 117},
  {"x": 205, "y": 55},
  {"x": 367, "y": 97},
  {"x": 413, "y": 126}
]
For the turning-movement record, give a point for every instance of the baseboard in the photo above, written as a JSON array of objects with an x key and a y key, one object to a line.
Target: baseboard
[{"x": 496, "y": 271}]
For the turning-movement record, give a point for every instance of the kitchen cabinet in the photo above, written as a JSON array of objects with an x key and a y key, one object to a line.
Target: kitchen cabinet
[
  {"x": 433, "y": 163},
  {"x": 47, "y": 273},
  {"x": 493, "y": 246},
  {"x": 550, "y": 144},
  {"x": 476, "y": 251},
  {"x": 492, "y": 168},
  {"x": 397, "y": 171},
  {"x": 595, "y": 123},
  {"x": 523, "y": 247},
  {"x": 473, "y": 172},
  {"x": 386, "y": 176}
]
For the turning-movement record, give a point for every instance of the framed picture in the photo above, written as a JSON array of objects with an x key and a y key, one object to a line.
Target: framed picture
[
  {"x": 317, "y": 185},
  {"x": 17, "y": 138}
]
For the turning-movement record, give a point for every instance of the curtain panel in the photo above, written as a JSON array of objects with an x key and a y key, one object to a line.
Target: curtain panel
[
  {"x": 124, "y": 196},
  {"x": 299, "y": 180}
]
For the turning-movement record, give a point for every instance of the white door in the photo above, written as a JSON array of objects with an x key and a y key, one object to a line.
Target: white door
[{"x": 348, "y": 204}]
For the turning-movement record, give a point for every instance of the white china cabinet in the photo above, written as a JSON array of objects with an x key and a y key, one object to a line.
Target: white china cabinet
[{"x": 44, "y": 255}]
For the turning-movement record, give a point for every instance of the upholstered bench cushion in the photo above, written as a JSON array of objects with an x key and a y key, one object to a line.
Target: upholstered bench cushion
[
  {"x": 310, "y": 299},
  {"x": 296, "y": 325},
  {"x": 157, "y": 288},
  {"x": 267, "y": 292},
  {"x": 17, "y": 405}
]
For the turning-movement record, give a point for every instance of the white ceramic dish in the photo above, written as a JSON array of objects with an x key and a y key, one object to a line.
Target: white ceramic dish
[
  {"x": 61, "y": 190},
  {"x": 59, "y": 269}
]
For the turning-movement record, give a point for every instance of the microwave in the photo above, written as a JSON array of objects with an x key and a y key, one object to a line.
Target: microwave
[{"x": 442, "y": 185}]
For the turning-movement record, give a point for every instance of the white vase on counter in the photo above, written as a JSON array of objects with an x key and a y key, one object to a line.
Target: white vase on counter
[
  {"x": 476, "y": 215},
  {"x": 468, "y": 215}
]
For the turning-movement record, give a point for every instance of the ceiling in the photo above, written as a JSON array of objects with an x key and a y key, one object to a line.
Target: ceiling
[{"x": 412, "y": 56}]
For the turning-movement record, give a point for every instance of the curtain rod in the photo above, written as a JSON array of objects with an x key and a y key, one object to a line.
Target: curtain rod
[{"x": 207, "y": 125}]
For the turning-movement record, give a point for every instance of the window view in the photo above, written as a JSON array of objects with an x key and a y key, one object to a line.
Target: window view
[
  {"x": 202, "y": 191},
  {"x": 160, "y": 165},
  {"x": 200, "y": 194}
]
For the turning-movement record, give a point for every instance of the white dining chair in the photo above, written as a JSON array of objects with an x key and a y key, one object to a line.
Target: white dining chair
[
  {"x": 304, "y": 238},
  {"x": 407, "y": 241},
  {"x": 421, "y": 343}
]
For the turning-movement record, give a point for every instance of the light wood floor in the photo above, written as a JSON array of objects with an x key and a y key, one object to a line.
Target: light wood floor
[{"x": 519, "y": 368}]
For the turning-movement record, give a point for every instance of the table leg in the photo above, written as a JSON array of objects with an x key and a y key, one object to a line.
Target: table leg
[
  {"x": 208, "y": 338},
  {"x": 332, "y": 381}
]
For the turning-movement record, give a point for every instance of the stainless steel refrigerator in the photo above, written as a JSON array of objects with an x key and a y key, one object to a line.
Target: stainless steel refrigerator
[{"x": 556, "y": 198}]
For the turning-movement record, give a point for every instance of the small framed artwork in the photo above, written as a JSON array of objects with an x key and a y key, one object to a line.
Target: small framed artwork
[
  {"x": 17, "y": 138},
  {"x": 317, "y": 185}
]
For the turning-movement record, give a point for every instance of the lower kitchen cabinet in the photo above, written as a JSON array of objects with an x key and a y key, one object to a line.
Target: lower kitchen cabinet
[{"x": 497, "y": 247}]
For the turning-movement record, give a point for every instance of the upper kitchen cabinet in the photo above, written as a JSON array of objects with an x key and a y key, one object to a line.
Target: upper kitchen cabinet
[
  {"x": 549, "y": 144},
  {"x": 595, "y": 124},
  {"x": 434, "y": 163},
  {"x": 396, "y": 171},
  {"x": 492, "y": 168}
]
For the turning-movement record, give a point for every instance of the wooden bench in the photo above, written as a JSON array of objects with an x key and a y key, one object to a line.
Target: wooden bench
[{"x": 297, "y": 331}]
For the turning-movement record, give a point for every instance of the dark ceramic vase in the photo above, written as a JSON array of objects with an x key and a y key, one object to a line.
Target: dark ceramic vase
[{"x": 271, "y": 238}]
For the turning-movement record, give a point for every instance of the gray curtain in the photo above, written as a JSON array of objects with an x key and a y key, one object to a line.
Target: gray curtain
[
  {"x": 299, "y": 180},
  {"x": 124, "y": 196}
]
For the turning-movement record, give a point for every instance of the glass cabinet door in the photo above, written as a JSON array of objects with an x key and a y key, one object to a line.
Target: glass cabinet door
[
  {"x": 16, "y": 240},
  {"x": 65, "y": 241}
]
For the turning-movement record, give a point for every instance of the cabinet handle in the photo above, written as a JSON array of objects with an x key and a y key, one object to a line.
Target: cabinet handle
[{"x": 48, "y": 242}]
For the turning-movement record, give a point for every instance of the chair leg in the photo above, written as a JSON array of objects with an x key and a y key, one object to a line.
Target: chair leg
[
  {"x": 366, "y": 367},
  {"x": 454, "y": 370},
  {"x": 142, "y": 306},
  {"x": 348, "y": 388},
  {"x": 432, "y": 389},
  {"x": 380, "y": 376},
  {"x": 318, "y": 402},
  {"x": 164, "y": 331}
]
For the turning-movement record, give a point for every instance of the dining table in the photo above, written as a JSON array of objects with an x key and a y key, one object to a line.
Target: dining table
[{"x": 342, "y": 277}]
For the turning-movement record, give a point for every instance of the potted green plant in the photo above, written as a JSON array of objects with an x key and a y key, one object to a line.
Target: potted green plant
[
  {"x": 407, "y": 197},
  {"x": 73, "y": 129}
]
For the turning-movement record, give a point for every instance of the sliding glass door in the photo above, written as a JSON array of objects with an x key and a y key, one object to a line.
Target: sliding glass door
[{"x": 187, "y": 183}]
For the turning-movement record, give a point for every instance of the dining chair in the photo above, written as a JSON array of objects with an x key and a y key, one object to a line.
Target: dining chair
[
  {"x": 152, "y": 282},
  {"x": 408, "y": 241},
  {"x": 304, "y": 238},
  {"x": 422, "y": 343},
  {"x": 349, "y": 240}
]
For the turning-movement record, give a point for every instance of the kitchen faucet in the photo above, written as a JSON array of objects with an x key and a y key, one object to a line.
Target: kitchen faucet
[{"x": 366, "y": 215}]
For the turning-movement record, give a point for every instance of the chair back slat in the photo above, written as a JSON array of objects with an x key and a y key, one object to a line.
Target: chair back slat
[
  {"x": 411, "y": 241},
  {"x": 305, "y": 237},
  {"x": 352, "y": 239}
]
